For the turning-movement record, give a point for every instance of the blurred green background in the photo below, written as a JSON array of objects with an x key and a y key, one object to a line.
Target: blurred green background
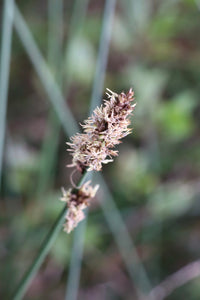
[{"x": 155, "y": 181}]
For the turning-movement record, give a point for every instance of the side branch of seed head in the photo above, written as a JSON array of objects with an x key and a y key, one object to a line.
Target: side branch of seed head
[
  {"x": 101, "y": 132},
  {"x": 76, "y": 202}
]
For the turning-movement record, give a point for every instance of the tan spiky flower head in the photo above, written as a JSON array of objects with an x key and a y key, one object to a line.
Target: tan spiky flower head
[
  {"x": 101, "y": 132},
  {"x": 77, "y": 201},
  {"x": 94, "y": 147}
]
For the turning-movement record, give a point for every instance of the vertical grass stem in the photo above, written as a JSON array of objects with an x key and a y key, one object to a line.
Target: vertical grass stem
[{"x": 7, "y": 27}]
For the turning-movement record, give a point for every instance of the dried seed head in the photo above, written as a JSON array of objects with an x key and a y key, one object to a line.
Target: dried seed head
[
  {"x": 101, "y": 132},
  {"x": 76, "y": 202}
]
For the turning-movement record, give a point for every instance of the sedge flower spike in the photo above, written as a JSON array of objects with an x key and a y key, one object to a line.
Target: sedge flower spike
[
  {"x": 77, "y": 201},
  {"x": 101, "y": 132},
  {"x": 94, "y": 147}
]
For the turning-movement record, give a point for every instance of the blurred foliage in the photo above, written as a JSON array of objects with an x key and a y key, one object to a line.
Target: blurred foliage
[{"x": 155, "y": 179}]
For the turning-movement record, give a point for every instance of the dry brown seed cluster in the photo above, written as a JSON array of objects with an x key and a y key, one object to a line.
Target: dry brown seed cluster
[
  {"x": 94, "y": 147},
  {"x": 101, "y": 132},
  {"x": 76, "y": 202}
]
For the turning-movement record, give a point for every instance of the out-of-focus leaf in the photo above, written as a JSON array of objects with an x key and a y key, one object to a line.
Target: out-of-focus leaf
[
  {"x": 81, "y": 60},
  {"x": 134, "y": 174},
  {"x": 171, "y": 200},
  {"x": 148, "y": 86},
  {"x": 164, "y": 26},
  {"x": 175, "y": 117},
  {"x": 22, "y": 165},
  {"x": 120, "y": 37}
]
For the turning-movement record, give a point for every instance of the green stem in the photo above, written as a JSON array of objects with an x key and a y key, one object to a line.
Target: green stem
[
  {"x": 44, "y": 250},
  {"x": 7, "y": 26}
]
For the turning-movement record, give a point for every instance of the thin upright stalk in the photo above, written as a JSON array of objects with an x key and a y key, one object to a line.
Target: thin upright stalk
[
  {"x": 124, "y": 242},
  {"x": 76, "y": 26},
  {"x": 102, "y": 59},
  {"x": 46, "y": 245},
  {"x": 76, "y": 261},
  {"x": 45, "y": 75},
  {"x": 48, "y": 154},
  {"x": 97, "y": 90},
  {"x": 7, "y": 27},
  {"x": 43, "y": 251},
  {"x": 56, "y": 59},
  {"x": 55, "y": 35},
  {"x": 138, "y": 15}
]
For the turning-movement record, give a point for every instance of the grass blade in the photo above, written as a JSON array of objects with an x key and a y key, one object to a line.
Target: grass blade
[
  {"x": 49, "y": 149},
  {"x": 123, "y": 240},
  {"x": 43, "y": 251},
  {"x": 76, "y": 25},
  {"x": 45, "y": 75},
  {"x": 55, "y": 34},
  {"x": 7, "y": 27},
  {"x": 45, "y": 247},
  {"x": 75, "y": 261},
  {"x": 103, "y": 54}
]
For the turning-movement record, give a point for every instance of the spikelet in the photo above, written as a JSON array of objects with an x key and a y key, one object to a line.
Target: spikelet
[
  {"x": 76, "y": 202},
  {"x": 101, "y": 132}
]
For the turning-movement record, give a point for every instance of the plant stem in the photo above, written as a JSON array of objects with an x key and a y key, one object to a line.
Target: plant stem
[
  {"x": 7, "y": 26},
  {"x": 76, "y": 260},
  {"x": 51, "y": 87},
  {"x": 97, "y": 90},
  {"x": 44, "y": 250}
]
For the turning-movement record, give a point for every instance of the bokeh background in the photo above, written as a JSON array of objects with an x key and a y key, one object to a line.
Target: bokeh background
[{"x": 144, "y": 224}]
